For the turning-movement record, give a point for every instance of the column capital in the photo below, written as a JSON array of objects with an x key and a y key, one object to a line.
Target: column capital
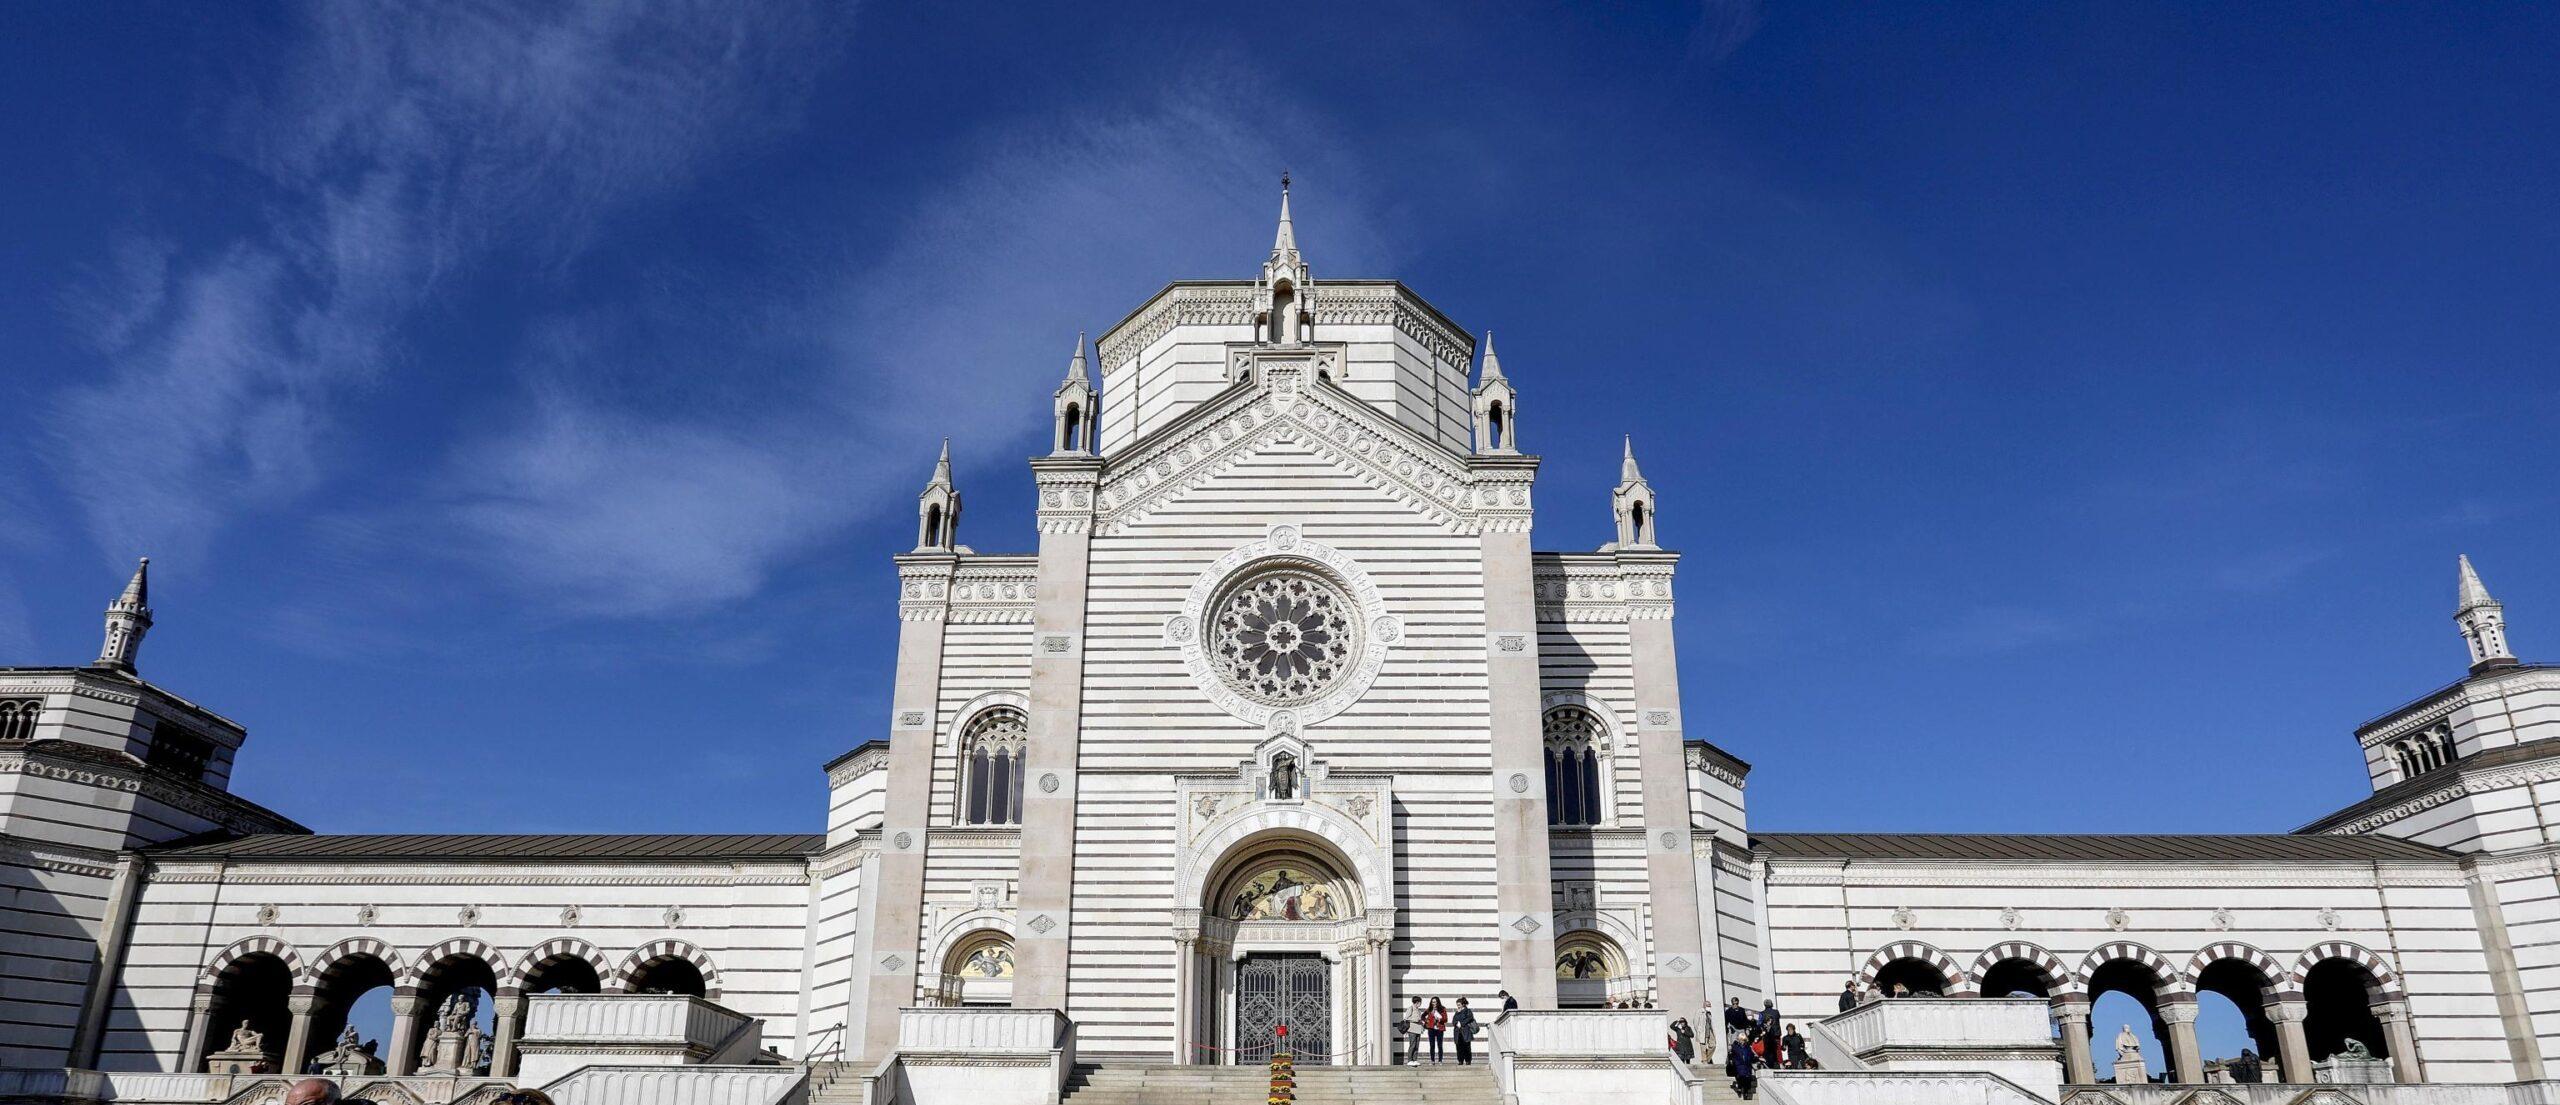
[
  {"x": 2388, "y": 1011},
  {"x": 302, "y": 1002},
  {"x": 201, "y": 1002},
  {"x": 507, "y": 1003},
  {"x": 2288, "y": 1010},
  {"x": 407, "y": 1003},
  {"x": 2182, "y": 1012}
]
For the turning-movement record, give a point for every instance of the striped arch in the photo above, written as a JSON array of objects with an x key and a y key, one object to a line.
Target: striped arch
[
  {"x": 661, "y": 949},
  {"x": 2271, "y": 974},
  {"x": 501, "y": 968},
  {"x": 2166, "y": 982},
  {"x": 256, "y": 945},
  {"x": 2378, "y": 974},
  {"x": 2057, "y": 978},
  {"x": 1958, "y": 982},
  {"x": 570, "y": 947},
  {"x": 355, "y": 946}
]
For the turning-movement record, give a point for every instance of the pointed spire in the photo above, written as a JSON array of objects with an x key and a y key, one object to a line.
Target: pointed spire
[
  {"x": 128, "y": 618},
  {"x": 942, "y": 466},
  {"x": 2482, "y": 620},
  {"x": 2470, "y": 593},
  {"x": 137, "y": 592},
  {"x": 1075, "y": 365},
  {"x": 1627, "y": 472},
  {"x": 1284, "y": 243},
  {"x": 1492, "y": 363}
]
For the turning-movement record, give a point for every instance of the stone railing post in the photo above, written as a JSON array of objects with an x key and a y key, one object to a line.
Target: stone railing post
[
  {"x": 2186, "y": 1057},
  {"x": 507, "y": 1007},
  {"x": 403, "y": 1044},
  {"x": 297, "y": 1041},
  {"x": 2071, "y": 1013},
  {"x": 2394, "y": 1016},
  {"x": 199, "y": 1023},
  {"x": 2293, "y": 1047}
]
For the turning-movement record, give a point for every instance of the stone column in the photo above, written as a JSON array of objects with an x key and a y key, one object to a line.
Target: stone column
[
  {"x": 1671, "y": 867},
  {"x": 406, "y": 1001},
  {"x": 889, "y": 974},
  {"x": 1045, "y": 912},
  {"x": 1524, "y": 886},
  {"x": 297, "y": 1040},
  {"x": 2293, "y": 1048},
  {"x": 2186, "y": 1058},
  {"x": 2396, "y": 1029},
  {"x": 507, "y": 1006},
  {"x": 199, "y": 1022},
  {"x": 2071, "y": 1016},
  {"x": 1186, "y": 982},
  {"x": 1382, "y": 1004}
]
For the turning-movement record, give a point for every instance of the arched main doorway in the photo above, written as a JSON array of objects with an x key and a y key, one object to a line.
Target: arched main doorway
[{"x": 1286, "y": 938}]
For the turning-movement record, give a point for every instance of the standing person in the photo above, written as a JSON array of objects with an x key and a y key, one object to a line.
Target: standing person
[
  {"x": 1409, "y": 1026},
  {"x": 1737, "y": 1020},
  {"x": 1435, "y": 1022},
  {"x": 1848, "y": 995},
  {"x": 1795, "y": 1049},
  {"x": 1769, "y": 1020},
  {"x": 1509, "y": 1003},
  {"x": 1463, "y": 1026},
  {"x": 1684, "y": 1041},
  {"x": 1740, "y": 1060}
]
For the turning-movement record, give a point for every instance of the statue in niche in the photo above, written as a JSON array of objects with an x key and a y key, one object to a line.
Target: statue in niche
[
  {"x": 1284, "y": 776},
  {"x": 2128, "y": 1046},
  {"x": 2355, "y": 1051},
  {"x": 245, "y": 1039}
]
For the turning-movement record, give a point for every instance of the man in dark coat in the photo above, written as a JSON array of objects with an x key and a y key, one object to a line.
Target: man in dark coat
[
  {"x": 1849, "y": 995},
  {"x": 1743, "y": 1063}
]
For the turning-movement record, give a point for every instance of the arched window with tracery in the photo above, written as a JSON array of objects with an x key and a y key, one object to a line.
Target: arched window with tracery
[
  {"x": 991, "y": 767},
  {"x": 18, "y": 718},
  {"x": 1577, "y": 767}
]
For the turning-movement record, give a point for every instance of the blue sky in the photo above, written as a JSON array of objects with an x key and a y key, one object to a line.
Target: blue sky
[{"x": 2070, "y": 414}]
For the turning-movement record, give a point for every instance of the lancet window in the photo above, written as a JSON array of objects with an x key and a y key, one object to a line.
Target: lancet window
[
  {"x": 1577, "y": 767},
  {"x": 991, "y": 767},
  {"x": 18, "y": 718}
]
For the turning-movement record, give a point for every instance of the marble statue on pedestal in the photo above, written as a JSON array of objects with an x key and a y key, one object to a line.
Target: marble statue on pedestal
[
  {"x": 352, "y": 1058},
  {"x": 2129, "y": 1067},
  {"x": 453, "y": 1047},
  {"x": 246, "y": 1054}
]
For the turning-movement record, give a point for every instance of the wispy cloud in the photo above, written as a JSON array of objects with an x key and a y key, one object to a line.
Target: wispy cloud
[
  {"x": 1987, "y": 630},
  {"x": 402, "y": 144},
  {"x": 609, "y": 507}
]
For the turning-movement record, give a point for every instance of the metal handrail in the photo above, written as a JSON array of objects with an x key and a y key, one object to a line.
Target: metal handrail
[{"x": 818, "y": 1046}]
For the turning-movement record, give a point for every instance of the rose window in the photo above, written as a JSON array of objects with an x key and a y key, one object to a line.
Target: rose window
[{"x": 1284, "y": 637}]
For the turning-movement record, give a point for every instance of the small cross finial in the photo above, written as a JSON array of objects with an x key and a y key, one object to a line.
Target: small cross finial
[{"x": 1284, "y": 180}]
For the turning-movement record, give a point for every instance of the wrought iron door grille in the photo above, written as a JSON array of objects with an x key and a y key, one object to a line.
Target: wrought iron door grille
[{"x": 1273, "y": 990}]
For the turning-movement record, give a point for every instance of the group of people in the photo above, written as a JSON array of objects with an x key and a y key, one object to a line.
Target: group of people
[
  {"x": 1439, "y": 1023},
  {"x": 1755, "y": 1042}
]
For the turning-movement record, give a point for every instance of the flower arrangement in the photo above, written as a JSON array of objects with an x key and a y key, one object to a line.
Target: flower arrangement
[{"x": 1284, "y": 1080}]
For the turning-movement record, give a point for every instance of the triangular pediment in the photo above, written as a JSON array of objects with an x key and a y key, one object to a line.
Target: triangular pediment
[{"x": 1281, "y": 401}]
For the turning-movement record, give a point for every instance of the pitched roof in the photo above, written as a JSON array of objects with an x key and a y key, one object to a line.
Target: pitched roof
[
  {"x": 517, "y": 847},
  {"x": 1998, "y": 848}
]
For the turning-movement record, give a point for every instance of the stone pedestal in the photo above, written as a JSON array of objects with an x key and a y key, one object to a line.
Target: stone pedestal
[
  {"x": 2131, "y": 1072},
  {"x": 2340, "y": 1069},
  {"x": 239, "y": 1062}
]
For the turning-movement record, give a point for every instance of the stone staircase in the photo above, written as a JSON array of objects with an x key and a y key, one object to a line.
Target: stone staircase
[
  {"x": 1169, "y": 1084},
  {"x": 834, "y": 1084}
]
